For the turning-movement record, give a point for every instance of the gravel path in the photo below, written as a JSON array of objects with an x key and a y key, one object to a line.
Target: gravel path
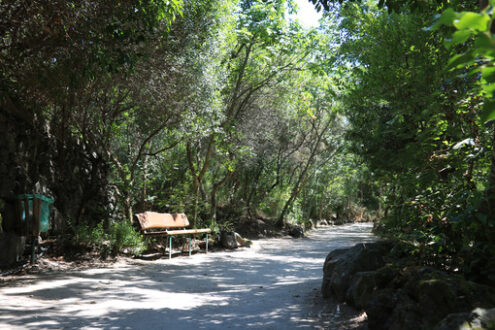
[{"x": 275, "y": 284}]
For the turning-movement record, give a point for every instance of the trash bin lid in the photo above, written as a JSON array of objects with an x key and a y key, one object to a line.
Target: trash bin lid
[{"x": 42, "y": 197}]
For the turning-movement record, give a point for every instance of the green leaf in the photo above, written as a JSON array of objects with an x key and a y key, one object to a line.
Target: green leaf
[
  {"x": 485, "y": 45},
  {"x": 459, "y": 37},
  {"x": 483, "y": 41},
  {"x": 482, "y": 217},
  {"x": 488, "y": 73},
  {"x": 473, "y": 21},
  {"x": 461, "y": 60},
  {"x": 489, "y": 89},
  {"x": 446, "y": 18},
  {"x": 488, "y": 112}
]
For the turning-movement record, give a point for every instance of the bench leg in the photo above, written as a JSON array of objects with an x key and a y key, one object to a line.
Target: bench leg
[
  {"x": 206, "y": 242},
  {"x": 170, "y": 247}
]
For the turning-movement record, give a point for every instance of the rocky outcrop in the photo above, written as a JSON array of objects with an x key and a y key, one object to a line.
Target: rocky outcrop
[
  {"x": 296, "y": 231},
  {"x": 232, "y": 240},
  {"x": 227, "y": 239},
  {"x": 322, "y": 222},
  {"x": 398, "y": 295},
  {"x": 479, "y": 318},
  {"x": 341, "y": 265}
]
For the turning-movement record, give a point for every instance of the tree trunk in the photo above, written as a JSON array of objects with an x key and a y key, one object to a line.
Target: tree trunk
[
  {"x": 491, "y": 182},
  {"x": 302, "y": 178},
  {"x": 128, "y": 208},
  {"x": 213, "y": 195},
  {"x": 198, "y": 174},
  {"x": 144, "y": 192}
]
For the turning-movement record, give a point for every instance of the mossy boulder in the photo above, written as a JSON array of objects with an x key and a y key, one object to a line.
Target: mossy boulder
[
  {"x": 396, "y": 294},
  {"x": 341, "y": 265}
]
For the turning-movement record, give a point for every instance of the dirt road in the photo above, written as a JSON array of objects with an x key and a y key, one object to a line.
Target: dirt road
[{"x": 272, "y": 285}]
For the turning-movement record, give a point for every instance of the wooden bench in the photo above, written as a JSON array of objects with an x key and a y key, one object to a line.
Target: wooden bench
[{"x": 168, "y": 225}]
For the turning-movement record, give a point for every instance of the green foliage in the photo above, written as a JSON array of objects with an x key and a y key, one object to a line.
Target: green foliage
[
  {"x": 414, "y": 109},
  {"x": 95, "y": 237},
  {"x": 125, "y": 238},
  {"x": 120, "y": 237},
  {"x": 479, "y": 56},
  {"x": 227, "y": 226}
]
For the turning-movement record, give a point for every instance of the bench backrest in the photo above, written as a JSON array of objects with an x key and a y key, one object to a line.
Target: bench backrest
[{"x": 150, "y": 220}]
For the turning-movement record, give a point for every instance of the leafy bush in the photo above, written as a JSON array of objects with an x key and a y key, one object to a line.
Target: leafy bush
[
  {"x": 118, "y": 238},
  {"x": 227, "y": 226},
  {"x": 91, "y": 237},
  {"x": 123, "y": 237}
]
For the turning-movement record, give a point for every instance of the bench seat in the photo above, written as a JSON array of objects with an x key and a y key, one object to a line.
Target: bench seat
[
  {"x": 177, "y": 232},
  {"x": 168, "y": 225}
]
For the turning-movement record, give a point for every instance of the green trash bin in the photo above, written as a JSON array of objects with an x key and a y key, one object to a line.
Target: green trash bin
[{"x": 44, "y": 209}]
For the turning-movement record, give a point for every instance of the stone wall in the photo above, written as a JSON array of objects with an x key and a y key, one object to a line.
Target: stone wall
[{"x": 397, "y": 293}]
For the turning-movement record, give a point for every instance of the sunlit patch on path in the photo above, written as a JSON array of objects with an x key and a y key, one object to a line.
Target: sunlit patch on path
[{"x": 273, "y": 285}]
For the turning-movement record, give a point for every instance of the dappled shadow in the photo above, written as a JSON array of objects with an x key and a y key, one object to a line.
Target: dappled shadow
[{"x": 272, "y": 285}]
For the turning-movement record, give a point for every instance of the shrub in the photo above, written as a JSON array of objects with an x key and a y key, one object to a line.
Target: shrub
[
  {"x": 118, "y": 238},
  {"x": 123, "y": 237},
  {"x": 91, "y": 237}
]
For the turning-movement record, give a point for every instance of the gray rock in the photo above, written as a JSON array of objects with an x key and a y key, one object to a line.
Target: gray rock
[
  {"x": 340, "y": 266},
  {"x": 401, "y": 295},
  {"x": 422, "y": 297},
  {"x": 150, "y": 256},
  {"x": 435, "y": 297},
  {"x": 12, "y": 247},
  {"x": 393, "y": 309},
  {"x": 228, "y": 240},
  {"x": 296, "y": 231},
  {"x": 453, "y": 321},
  {"x": 380, "y": 307},
  {"x": 479, "y": 318},
  {"x": 483, "y": 318},
  {"x": 406, "y": 314},
  {"x": 242, "y": 241},
  {"x": 361, "y": 289}
]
